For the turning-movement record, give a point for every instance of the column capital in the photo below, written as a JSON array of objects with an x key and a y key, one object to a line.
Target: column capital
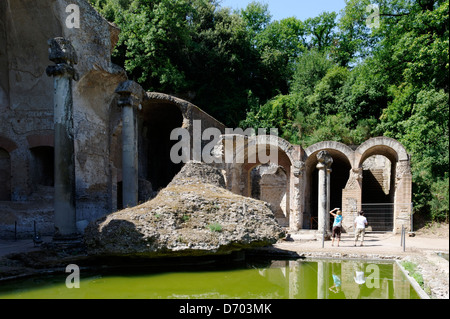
[
  {"x": 131, "y": 94},
  {"x": 325, "y": 160},
  {"x": 62, "y": 53},
  {"x": 62, "y": 70}
]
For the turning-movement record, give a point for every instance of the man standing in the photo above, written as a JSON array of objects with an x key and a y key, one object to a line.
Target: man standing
[{"x": 360, "y": 227}]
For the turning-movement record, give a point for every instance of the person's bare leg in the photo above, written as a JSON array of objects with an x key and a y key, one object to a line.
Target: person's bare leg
[{"x": 362, "y": 237}]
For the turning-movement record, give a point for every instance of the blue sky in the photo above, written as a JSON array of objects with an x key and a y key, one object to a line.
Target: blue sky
[{"x": 301, "y": 9}]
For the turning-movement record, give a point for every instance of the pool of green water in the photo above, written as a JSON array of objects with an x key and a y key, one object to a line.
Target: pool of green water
[{"x": 297, "y": 279}]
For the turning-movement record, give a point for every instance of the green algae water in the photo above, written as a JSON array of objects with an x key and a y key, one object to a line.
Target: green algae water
[{"x": 276, "y": 280}]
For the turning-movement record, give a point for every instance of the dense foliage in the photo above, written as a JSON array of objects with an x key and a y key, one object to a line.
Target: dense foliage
[{"x": 344, "y": 76}]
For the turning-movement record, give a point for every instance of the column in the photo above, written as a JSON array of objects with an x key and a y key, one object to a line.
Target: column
[
  {"x": 236, "y": 179},
  {"x": 403, "y": 197},
  {"x": 327, "y": 219},
  {"x": 131, "y": 95},
  {"x": 63, "y": 55},
  {"x": 325, "y": 161},
  {"x": 295, "y": 196},
  {"x": 322, "y": 280}
]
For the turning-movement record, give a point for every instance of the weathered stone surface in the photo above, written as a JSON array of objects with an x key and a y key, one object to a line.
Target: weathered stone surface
[
  {"x": 199, "y": 173},
  {"x": 187, "y": 218}
]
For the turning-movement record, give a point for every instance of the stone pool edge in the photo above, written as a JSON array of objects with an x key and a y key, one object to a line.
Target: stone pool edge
[{"x": 414, "y": 283}]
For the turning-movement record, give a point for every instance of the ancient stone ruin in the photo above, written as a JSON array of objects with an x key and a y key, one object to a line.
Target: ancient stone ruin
[
  {"x": 79, "y": 142},
  {"x": 195, "y": 215}
]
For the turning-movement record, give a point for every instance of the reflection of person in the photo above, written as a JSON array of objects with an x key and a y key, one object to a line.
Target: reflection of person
[
  {"x": 337, "y": 225},
  {"x": 337, "y": 286},
  {"x": 360, "y": 227},
  {"x": 359, "y": 278}
]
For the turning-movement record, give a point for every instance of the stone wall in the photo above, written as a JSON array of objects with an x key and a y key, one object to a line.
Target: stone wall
[
  {"x": 26, "y": 105},
  {"x": 269, "y": 184}
]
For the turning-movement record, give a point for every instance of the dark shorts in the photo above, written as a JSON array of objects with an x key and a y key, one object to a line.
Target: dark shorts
[{"x": 336, "y": 232}]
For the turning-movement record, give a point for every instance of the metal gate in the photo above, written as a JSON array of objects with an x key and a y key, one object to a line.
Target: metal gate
[{"x": 380, "y": 216}]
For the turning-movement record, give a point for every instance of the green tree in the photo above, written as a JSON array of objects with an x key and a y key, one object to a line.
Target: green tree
[
  {"x": 256, "y": 17},
  {"x": 365, "y": 93},
  {"x": 189, "y": 48},
  {"x": 325, "y": 96},
  {"x": 310, "y": 68},
  {"x": 321, "y": 29}
]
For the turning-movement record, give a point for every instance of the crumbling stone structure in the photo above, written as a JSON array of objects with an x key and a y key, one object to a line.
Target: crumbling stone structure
[
  {"x": 328, "y": 175},
  {"x": 110, "y": 146},
  {"x": 29, "y": 129}
]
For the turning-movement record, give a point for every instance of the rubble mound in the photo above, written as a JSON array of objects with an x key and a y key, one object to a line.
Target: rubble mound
[{"x": 195, "y": 215}]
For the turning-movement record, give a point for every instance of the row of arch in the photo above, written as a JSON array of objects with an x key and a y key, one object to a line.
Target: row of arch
[
  {"x": 369, "y": 177},
  {"x": 296, "y": 167},
  {"x": 354, "y": 183}
]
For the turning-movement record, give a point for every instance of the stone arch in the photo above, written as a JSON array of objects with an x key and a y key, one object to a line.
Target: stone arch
[
  {"x": 288, "y": 157},
  {"x": 394, "y": 207},
  {"x": 41, "y": 140},
  {"x": 248, "y": 152},
  {"x": 283, "y": 147},
  {"x": 343, "y": 157},
  {"x": 331, "y": 146},
  {"x": 385, "y": 146},
  {"x": 160, "y": 115},
  {"x": 155, "y": 98}
]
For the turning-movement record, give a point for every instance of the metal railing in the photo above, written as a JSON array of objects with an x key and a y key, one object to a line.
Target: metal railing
[{"x": 380, "y": 216}]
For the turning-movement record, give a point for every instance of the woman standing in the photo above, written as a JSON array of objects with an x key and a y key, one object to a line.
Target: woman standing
[{"x": 337, "y": 225}]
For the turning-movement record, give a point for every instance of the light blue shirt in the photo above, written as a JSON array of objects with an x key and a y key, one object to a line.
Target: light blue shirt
[
  {"x": 337, "y": 280},
  {"x": 337, "y": 221}
]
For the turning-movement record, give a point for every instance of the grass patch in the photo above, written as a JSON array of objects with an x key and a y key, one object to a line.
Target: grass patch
[
  {"x": 413, "y": 272},
  {"x": 215, "y": 227}
]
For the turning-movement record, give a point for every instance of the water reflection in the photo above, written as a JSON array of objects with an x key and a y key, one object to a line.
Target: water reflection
[
  {"x": 340, "y": 280},
  {"x": 298, "y": 279}
]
